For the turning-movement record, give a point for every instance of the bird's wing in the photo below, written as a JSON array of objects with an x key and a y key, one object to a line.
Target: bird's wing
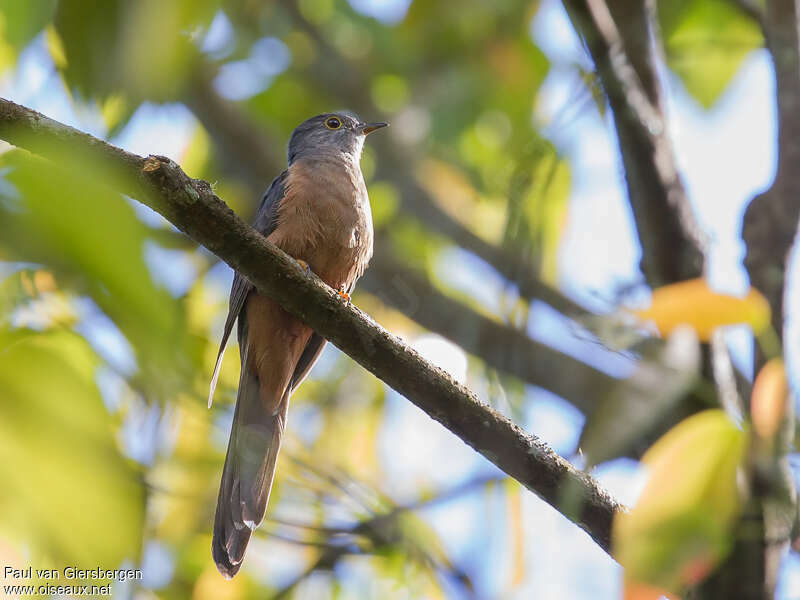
[{"x": 265, "y": 223}]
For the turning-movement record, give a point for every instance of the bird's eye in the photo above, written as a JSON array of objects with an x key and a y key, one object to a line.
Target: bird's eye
[{"x": 333, "y": 123}]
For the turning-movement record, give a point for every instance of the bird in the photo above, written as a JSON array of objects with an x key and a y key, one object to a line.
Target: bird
[{"x": 318, "y": 212}]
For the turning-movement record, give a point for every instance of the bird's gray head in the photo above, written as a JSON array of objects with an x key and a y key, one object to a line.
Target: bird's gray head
[{"x": 331, "y": 134}]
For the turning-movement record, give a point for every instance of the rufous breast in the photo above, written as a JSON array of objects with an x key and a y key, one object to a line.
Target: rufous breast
[{"x": 325, "y": 219}]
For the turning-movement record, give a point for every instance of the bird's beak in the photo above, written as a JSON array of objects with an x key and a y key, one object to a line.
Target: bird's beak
[{"x": 367, "y": 128}]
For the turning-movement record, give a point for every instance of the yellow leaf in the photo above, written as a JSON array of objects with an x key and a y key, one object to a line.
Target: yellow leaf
[
  {"x": 44, "y": 281},
  {"x": 56, "y": 47},
  {"x": 197, "y": 153},
  {"x": 514, "y": 497},
  {"x": 694, "y": 303},
  {"x": 680, "y": 527},
  {"x": 113, "y": 109},
  {"x": 769, "y": 399},
  {"x": 210, "y": 585},
  {"x": 64, "y": 479}
]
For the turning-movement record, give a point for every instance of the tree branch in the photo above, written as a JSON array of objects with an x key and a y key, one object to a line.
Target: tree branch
[
  {"x": 191, "y": 206},
  {"x": 771, "y": 219},
  {"x": 500, "y": 346},
  {"x": 769, "y": 230},
  {"x": 673, "y": 244}
]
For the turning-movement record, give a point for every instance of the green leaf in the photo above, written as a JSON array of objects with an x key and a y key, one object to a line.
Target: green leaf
[
  {"x": 20, "y": 21},
  {"x": 545, "y": 211},
  {"x": 537, "y": 204},
  {"x": 88, "y": 34},
  {"x": 706, "y": 42},
  {"x": 67, "y": 491},
  {"x": 681, "y": 527},
  {"x": 93, "y": 240},
  {"x": 144, "y": 50}
]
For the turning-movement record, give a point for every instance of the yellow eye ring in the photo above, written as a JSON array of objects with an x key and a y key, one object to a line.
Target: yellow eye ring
[{"x": 333, "y": 123}]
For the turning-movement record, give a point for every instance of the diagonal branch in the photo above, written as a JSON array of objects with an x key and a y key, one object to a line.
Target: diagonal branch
[{"x": 191, "y": 206}]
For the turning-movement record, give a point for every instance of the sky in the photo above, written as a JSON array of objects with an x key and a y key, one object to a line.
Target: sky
[{"x": 726, "y": 155}]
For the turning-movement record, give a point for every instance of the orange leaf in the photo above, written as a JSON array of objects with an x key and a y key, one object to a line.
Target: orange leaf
[
  {"x": 769, "y": 399},
  {"x": 694, "y": 303},
  {"x": 642, "y": 591}
]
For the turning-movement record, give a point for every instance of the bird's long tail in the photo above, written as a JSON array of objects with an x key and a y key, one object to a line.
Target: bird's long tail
[{"x": 248, "y": 473}]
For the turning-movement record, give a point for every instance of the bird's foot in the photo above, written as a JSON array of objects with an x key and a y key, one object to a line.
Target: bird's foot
[
  {"x": 303, "y": 265},
  {"x": 343, "y": 295}
]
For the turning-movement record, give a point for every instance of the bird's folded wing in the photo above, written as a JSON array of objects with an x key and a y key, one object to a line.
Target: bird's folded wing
[{"x": 265, "y": 223}]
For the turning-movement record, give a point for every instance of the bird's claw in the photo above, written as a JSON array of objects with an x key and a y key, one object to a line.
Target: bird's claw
[
  {"x": 343, "y": 295},
  {"x": 303, "y": 265}
]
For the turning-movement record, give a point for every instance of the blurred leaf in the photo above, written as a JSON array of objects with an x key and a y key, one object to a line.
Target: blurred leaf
[
  {"x": 642, "y": 591},
  {"x": 288, "y": 101},
  {"x": 413, "y": 242},
  {"x": 197, "y": 153},
  {"x": 188, "y": 477},
  {"x": 769, "y": 399},
  {"x": 67, "y": 490},
  {"x": 92, "y": 236},
  {"x": 453, "y": 50},
  {"x": 14, "y": 290},
  {"x": 210, "y": 585},
  {"x": 385, "y": 200},
  {"x": 454, "y": 193},
  {"x": 352, "y": 414},
  {"x": 694, "y": 303},
  {"x": 706, "y": 42},
  {"x": 410, "y": 546},
  {"x": 681, "y": 527},
  {"x": 316, "y": 11},
  {"x": 88, "y": 34},
  {"x": 537, "y": 206},
  {"x": 155, "y": 50},
  {"x": 389, "y": 92},
  {"x": 637, "y": 404},
  {"x": 514, "y": 493},
  {"x": 20, "y": 21},
  {"x": 129, "y": 51},
  {"x": 116, "y": 110},
  {"x": 56, "y": 47}
]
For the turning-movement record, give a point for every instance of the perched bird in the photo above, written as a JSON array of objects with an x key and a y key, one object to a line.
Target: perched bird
[{"x": 318, "y": 212}]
